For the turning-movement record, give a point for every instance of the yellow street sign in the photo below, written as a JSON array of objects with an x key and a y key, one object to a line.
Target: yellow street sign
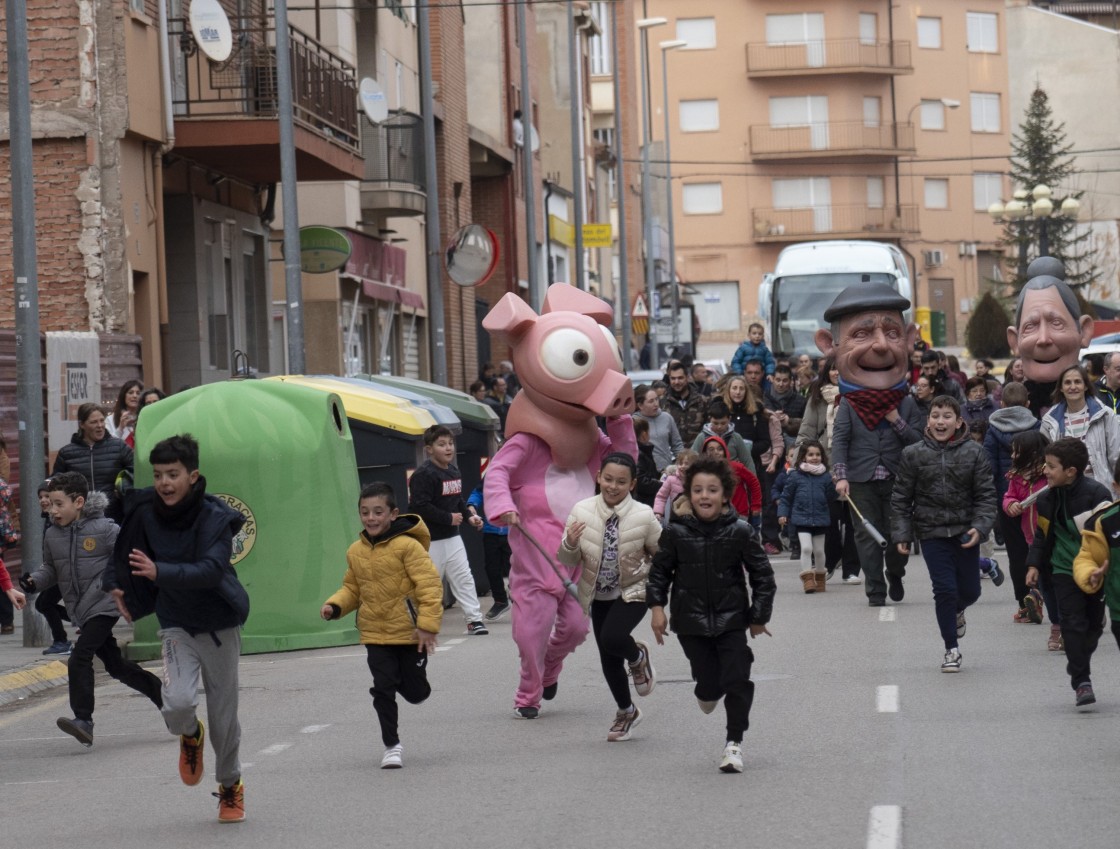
[{"x": 597, "y": 235}]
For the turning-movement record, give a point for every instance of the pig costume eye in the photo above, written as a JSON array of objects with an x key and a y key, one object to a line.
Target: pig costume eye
[
  {"x": 613, "y": 343},
  {"x": 567, "y": 353}
]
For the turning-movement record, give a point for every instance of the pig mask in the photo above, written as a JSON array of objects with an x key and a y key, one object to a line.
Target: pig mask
[{"x": 569, "y": 367}]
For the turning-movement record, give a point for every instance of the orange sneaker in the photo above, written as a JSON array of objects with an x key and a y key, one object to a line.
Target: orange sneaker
[
  {"x": 231, "y": 802},
  {"x": 190, "y": 756}
]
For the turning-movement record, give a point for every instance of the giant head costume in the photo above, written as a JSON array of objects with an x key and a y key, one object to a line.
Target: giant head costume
[
  {"x": 1049, "y": 330},
  {"x": 869, "y": 336}
]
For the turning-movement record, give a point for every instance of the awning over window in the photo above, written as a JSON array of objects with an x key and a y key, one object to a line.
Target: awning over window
[
  {"x": 380, "y": 269},
  {"x": 392, "y": 294}
]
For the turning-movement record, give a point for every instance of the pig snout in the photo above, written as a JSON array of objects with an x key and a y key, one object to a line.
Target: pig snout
[{"x": 613, "y": 395}]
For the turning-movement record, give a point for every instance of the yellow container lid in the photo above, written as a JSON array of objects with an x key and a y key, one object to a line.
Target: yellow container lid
[{"x": 369, "y": 405}]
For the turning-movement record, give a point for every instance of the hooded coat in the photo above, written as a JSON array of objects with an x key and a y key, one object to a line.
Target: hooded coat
[
  {"x": 75, "y": 557},
  {"x": 1003, "y": 426},
  {"x": 1102, "y": 438},
  {"x": 747, "y": 498}
]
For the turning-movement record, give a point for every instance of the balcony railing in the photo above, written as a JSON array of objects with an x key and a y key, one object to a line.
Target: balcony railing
[
  {"x": 831, "y": 139},
  {"x": 829, "y": 56},
  {"x": 794, "y": 225},
  {"x": 324, "y": 87},
  {"x": 394, "y": 151}
]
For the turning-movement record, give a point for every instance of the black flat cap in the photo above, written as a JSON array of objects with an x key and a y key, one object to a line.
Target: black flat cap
[{"x": 866, "y": 296}]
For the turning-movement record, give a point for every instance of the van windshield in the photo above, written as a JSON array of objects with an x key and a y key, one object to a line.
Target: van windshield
[{"x": 800, "y": 302}]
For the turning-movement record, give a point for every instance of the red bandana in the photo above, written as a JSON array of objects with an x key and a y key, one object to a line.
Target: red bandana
[{"x": 871, "y": 405}]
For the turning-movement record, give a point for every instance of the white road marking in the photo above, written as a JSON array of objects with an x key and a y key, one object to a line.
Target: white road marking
[
  {"x": 311, "y": 729},
  {"x": 884, "y": 827},
  {"x": 275, "y": 749},
  {"x": 456, "y": 641},
  {"x": 886, "y": 698},
  {"x": 886, "y": 614}
]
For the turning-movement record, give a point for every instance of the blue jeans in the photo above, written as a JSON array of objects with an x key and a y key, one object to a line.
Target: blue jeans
[{"x": 955, "y": 574}]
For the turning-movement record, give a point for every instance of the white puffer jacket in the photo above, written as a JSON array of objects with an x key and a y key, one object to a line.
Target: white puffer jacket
[{"x": 638, "y": 535}]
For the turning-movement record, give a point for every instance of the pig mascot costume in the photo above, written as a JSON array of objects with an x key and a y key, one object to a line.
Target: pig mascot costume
[{"x": 568, "y": 363}]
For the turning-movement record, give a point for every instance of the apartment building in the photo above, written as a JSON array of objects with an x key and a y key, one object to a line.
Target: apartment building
[{"x": 850, "y": 119}]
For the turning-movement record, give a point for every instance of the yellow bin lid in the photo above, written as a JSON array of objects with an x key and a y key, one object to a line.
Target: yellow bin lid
[{"x": 369, "y": 405}]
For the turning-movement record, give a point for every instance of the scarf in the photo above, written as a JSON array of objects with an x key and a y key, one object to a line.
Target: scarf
[
  {"x": 813, "y": 468},
  {"x": 872, "y": 405}
]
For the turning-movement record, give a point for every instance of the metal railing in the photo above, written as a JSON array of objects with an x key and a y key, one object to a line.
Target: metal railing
[
  {"x": 830, "y": 55},
  {"x": 394, "y": 151},
  {"x": 778, "y": 225},
  {"x": 324, "y": 87},
  {"x": 832, "y": 137}
]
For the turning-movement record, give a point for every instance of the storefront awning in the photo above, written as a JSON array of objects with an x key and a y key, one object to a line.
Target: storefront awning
[
  {"x": 380, "y": 269},
  {"x": 392, "y": 294}
]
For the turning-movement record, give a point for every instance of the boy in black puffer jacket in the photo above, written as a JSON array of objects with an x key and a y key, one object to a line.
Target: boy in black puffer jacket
[
  {"x": 944, "y": 497},
  {"x": 703, "y": 557}
]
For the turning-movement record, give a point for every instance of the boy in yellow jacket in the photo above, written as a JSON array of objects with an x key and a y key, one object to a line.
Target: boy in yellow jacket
[{"x": 393, "y": 584}]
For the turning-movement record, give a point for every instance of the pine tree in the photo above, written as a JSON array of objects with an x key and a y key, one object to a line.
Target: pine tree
[
  {"x": 1040, "y": 155},
  {"x": 986, "y": 334}
]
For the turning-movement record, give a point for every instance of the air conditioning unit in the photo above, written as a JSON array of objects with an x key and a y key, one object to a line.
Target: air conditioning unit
[{"x": 934, "y": 257}]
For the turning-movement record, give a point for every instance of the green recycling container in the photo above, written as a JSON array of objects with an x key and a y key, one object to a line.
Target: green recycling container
[
  {"x": 283, "y": 456},
  {"x": 474, "y": 448},
  {"x": 937, "y": 329}
]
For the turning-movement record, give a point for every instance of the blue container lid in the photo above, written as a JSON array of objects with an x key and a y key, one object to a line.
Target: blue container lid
[{"x": 443, "y": 414}]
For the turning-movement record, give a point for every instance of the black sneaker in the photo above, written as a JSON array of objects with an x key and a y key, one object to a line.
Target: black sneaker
[
  {"x": 895, "y": 590},
  {"x": 1085, "y": 695},
  {"x": 477, "y": 629},
  {"x": 996, "y": 574},
  {"x": 497, "y": 611},
  {"x": 876, "y": 601},
  {"x": 549, "y": 692},
  {"x": 526, "y": 713},
  {"x": 81, "y": 729},
  {"x": 61, "y": 647}
]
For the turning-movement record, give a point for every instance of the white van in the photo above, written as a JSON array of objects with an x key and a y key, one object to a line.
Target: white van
[{"x": 807, "y": 279}]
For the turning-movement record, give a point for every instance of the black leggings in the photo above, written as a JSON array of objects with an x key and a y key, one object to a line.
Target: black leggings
[{"x": 613, "y": 622}]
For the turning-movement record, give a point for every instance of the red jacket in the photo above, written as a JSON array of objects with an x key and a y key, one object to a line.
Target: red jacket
[{"x": 747, "y": 498}]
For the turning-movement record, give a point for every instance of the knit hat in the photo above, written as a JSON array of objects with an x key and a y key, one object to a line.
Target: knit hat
[
  {"x": 722, "y": 444},
  {"x": 44, "y": 486}
]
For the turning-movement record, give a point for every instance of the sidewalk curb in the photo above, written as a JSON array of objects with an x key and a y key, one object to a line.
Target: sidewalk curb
[{"x": 21, "y": 683}]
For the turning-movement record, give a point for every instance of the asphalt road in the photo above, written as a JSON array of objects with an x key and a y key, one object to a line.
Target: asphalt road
[{"x": 995, "y": 756}]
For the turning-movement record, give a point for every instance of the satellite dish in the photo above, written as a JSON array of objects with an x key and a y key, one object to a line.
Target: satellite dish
[
  {"x": 472, "y": 255},
  {"x": 211, "y": 30},
  {"x": 373, "y": 100}
]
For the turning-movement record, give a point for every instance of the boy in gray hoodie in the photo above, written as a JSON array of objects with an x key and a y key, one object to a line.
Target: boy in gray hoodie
[{"x": 76, "y": 549}]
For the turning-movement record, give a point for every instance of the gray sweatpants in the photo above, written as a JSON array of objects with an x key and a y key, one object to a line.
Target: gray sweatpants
[{"x": 214, "y": 657}]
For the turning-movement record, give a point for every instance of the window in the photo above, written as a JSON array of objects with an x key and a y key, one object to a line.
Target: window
[
  {"x": 605, "y": 136},
  {"x": 986, "y": 190},
  {"x": 599, "y": 46},
  {"x": 868, "y": 27},
  {"x": 699, "y": 116},
  {"x": 937, "y": 193},
  {"x": 717, "y": 305},
  {"x": 872, "y": 111},
  {"x": 700, "y": 33},
  {"x": 702, "y": 198},
  {"x": 794, "y": 29},
  {"x": 983, "y": 33},
  {"x": 813, "y": 193},
  {"x": 874, "y": 192},
  {"x": 985, "y": 112},
  {"x": 803, "y": 111},
  {"x": 929, "y": 33},
  {"x": 933, "y": 115}
]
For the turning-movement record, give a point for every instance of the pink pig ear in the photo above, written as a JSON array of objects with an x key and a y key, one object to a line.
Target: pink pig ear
[
  {"x": 563, "y": 296},
  {"x": 510, "y": 317}
]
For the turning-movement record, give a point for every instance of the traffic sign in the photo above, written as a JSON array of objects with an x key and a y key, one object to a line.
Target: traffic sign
[
  {"x": 596, "y": 235},
  {"x": 640, "y": 310}
]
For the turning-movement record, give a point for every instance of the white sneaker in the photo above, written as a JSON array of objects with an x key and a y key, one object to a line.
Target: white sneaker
[
  {"x": 707, "y": 707},
  {"x": 392, "y": 758},
  {"x": 952, "y": 662},
  {"x": 853, "y": 579},
  {"x": 732, "y": 760}
]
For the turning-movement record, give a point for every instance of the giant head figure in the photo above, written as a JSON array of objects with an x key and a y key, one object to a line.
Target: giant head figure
[
  {"x": 569, "y": 366},
  {"x": 1049, "y": 330},
  {"x": 869, "y": 336}
]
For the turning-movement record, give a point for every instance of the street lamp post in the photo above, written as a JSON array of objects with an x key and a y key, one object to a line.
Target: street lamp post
[
  {"x": 666, "y": 46},
  {"x": 647, "y": 215},
  {"x": 1040, "y": 210}
]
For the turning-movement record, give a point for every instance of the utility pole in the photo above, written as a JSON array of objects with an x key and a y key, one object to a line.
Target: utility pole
[
  {"x": 437, "y": 334},
  {"x": 621, "y": 196},
  {"x": 293, "y": 274},
  {"x": 576, "y": 114},
  {"x": 536, "y": 296},
  {"x": 29, "y": 383}
]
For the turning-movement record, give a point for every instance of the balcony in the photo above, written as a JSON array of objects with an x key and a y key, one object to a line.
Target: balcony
[
  {"x": 829, "y": 141},
  {"x": 393, "y": 181},
  {"x": 829, "y": 56},
  {"x": 226, "y": 112},
  {"x": 834, "y": 222}
]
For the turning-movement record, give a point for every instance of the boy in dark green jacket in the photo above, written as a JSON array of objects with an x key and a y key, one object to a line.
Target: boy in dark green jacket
[{"x": 1063, "y": 511}]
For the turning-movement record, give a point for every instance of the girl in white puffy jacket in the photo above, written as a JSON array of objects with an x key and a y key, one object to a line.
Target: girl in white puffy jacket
[{"x": 612, "y": 538}]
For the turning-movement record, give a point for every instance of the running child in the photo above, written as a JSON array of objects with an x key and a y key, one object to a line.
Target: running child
[
  {"x": 805, "y": 503},
  {"x": 172, "y": 558},
  {"x": 672, "y": 486},
  {"x": 1025, "y": 477},
  {"x": 49, "y": 602},
  {"x": 944, "y": 496},
  {"x": 1063, "y": 510},
  {"x": 701, "y": 569},
  {"x": 393, "y": 585},
  {"x": 76, "y": 549},
  {"x": 612, "y": 538},
  {"x": 436, "y": 496},
  {"x": 1094, "y": 568}
]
